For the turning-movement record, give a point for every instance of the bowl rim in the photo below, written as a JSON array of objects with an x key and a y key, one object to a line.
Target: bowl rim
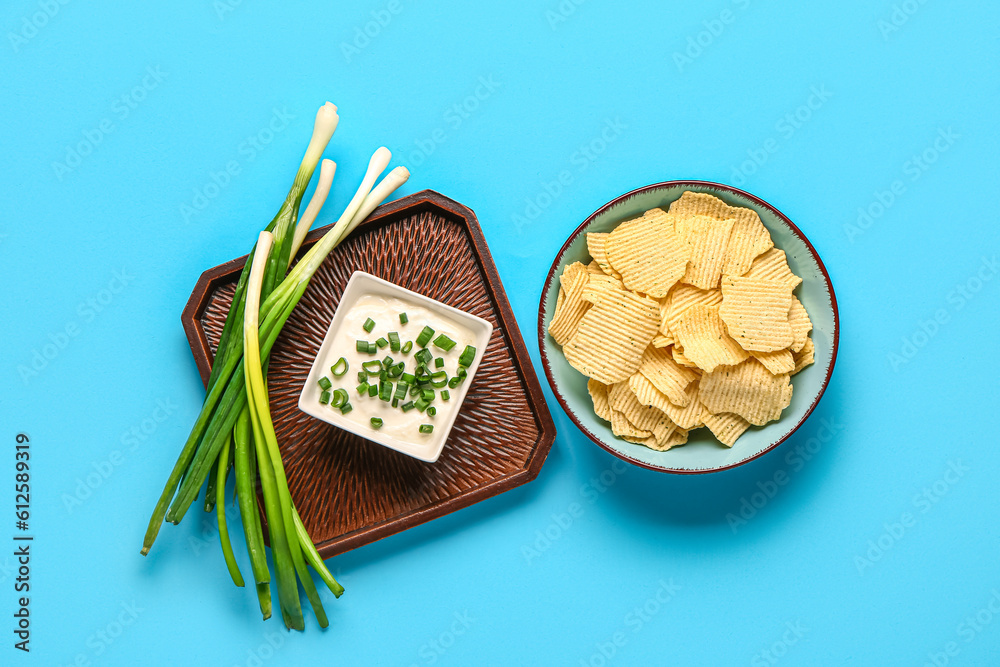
[{"x": 659, "y": 186}]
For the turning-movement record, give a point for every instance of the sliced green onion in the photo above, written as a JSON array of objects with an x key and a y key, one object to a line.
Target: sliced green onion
[
  {"x": 385, "y": 391},
  {"x": 397, "y": 370},
  {"x": 362, "y": 389},
  {"x": 345, "y": 408},
  {"x": 426, "y": 428},
  {"x": 340, "y": 398},
  {"x": 395, "y": 402},
  {"x": 431, "y": 411},
  {"x": 403, "y": 319},
  {"x": 376, "y": 422},
  {"x": 415, "y": 390},
  {"x": 324, "y": 382},
  {"x": 383, "y": 375},
  {"x": 462, "y": 373},
  {"x": 341, "y": 367},
  {"x": 387, "y": 362},
  {"x": 362, "y": 377},
  {"x": 425, "y": 336},
  {"x": 373, "y": 390},
  {"x": 439, "y": 362},
  {"x": 424, "y": 356},
  {"x": 445, "y": 395},
  {"x": 368, "y": 325},
  {"x": 394, "y": 341},
  {"x": 427, "y": 394},
  {"x": 408, "y": 378},
  {"x": 439, "y": 379},
  {"x": 372, "y": 367},
  {"x": 444, "y": 343},
  {"x": 407, "y": 346},
  {"x": 381, "y": 342},
  {"x": 468, "y": 356},
  {"x": 361, "y": 346},
  {"x": 401, "y": 390},
  {"x": 454, "y": 382},
  {"x": 324, "y": 398},
  {"x": 406, "y": 407},
  {"x": 421, "y": 404}
]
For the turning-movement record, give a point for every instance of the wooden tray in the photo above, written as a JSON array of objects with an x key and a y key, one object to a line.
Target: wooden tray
[{"x": 351, "y": 491}]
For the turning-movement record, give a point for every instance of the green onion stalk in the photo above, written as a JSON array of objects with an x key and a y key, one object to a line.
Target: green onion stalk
[{"x": 236, "y": 417}]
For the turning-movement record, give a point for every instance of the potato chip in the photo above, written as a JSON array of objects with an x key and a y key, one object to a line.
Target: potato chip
[
  {"x": 675, "y": 437},
  {"x": 677, "y": 352},
  {"x": 773, "y": 265},
  {"x": 666, "y": 375},
  {"x": 801, "y": 325},
  {"x": 805, "y": 356},
  {"x": 706, "y": 239},
  {"x": 725, "y": 426},
  {"x": 756, "y": 313},
  {"x": 777, "y": 362},
  {"x": 688, "y": 417},
  {"x": 748, "y": 390},
  {"x": 596, "y": 247},
  {"x": 647, "y": 253},
  {"x": 703, "y": 337},
  {"x": 595, "y": 269},
  {"x": 646, "y": 392},
  {"x": 749, "y": 236},
  {"x": 599, "y": 396},
  {"x": 659, "y": 340},
  {"x": 683, "y": 297},
  {"x": 570, "y": 311},
  {"x": 621, "y": 426},
  {"x": 610, "y": 340},
  {"x": 600, "y": 286}
]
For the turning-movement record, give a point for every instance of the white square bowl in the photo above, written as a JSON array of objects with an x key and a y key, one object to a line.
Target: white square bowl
[{"x": 424, "y": 447}]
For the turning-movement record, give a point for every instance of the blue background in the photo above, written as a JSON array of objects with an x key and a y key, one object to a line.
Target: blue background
[{"x": 818, "y": 574}]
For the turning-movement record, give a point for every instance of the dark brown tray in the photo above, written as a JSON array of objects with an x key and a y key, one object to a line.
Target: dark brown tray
[{"x": 351, "y": 491}]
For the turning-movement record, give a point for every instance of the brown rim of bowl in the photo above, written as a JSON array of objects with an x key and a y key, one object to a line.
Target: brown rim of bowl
[{"x": 657, "y": 186}]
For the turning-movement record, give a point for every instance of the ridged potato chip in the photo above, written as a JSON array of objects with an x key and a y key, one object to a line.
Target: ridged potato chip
[
  {"x": 703, "y": 337},
  {"x": 683, "y": 297},
  {"x": 610, "y": 340},
  {"x": 773, "y": 265},
  {"x": 778, "y": 362},
  {"x": 659, "y": 340},
  {"x": 756, "y": 313},
  {"x": 801, "y": 325},
  {"x": 666, "y": 375},
  {"x": 570, "y": 311},
  {"x": 805, "y": 356},
  {"x": 688, "y": 417},
  {"x": 748, "y": 239},
  {"x": 599, "y": 395},
  {"x": 748, "y": 390},
  {"x": 647, "y": 253},
  {"x": 622, "y": 427},
  {"x": 596, "y": 247},
  {"x": 647, "y": 393},
  {"x": 677, "y": 352},
  {"x": 706, "y": 239},
  {"x": 595, "y": 269},
  {"x": 600, "y": 286},
  {"x": 677, "y": 436},
  {"x": 725, "y": 426}
]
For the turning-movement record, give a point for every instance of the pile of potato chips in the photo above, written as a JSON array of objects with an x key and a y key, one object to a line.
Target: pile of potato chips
[{"x": 685, "y": 318}]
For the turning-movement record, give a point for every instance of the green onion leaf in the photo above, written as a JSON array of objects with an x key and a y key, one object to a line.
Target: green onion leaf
[
  {"x": 362, "y": 389},
  {"x": 373, "y": 390},
  {"x": 368, "y": 325},
  {"x": 425, "y": 336},
  {"x": 324, "y": 398},
  {"x": 445, "y": 395},
  {"x": 468, "y": 356},
  {"x": 339, "y": 398},
  {"x": 341, "y": 367},
  {"x": 403, "y": 319},
  {"x": 376, "y": 422},
  {"x": 345, "y": 408},
  {"x": 394, "y": 341},
  {"x": 427, "y": 428},
  {"x": 407, "y": 346},
  {"x": 372, "y": 367},
  {"x": 406, "y": 407},
  {"x": 324, "y": 382},
  {"x": 439, "y": 362},
  {"x": 444, "y": 343},
  {"x": 431, "y": 411}
]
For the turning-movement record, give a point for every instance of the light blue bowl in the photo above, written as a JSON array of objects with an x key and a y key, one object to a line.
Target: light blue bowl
[{"x": 703, "y": 453}]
